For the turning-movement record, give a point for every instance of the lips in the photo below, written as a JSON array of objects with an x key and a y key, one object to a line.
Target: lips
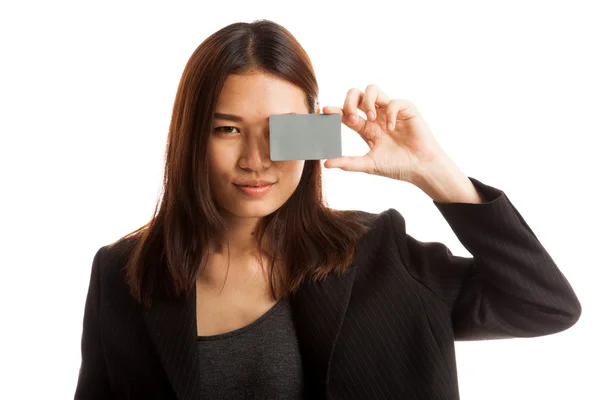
[
  {"x": 254, "y": 183},
  {"x": 254, "y": 192}
]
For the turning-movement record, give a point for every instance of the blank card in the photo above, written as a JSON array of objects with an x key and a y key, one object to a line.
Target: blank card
[{"x": 305, "y": 136}]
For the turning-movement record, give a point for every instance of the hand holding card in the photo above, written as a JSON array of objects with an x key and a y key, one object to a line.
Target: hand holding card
[{"x": 401, "y": 143}]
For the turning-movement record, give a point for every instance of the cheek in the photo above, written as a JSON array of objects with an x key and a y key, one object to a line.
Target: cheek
[
  {"x": 298, "y": 169},
  {"x": 292, "y": 170},
  {"x": 221, "y": 162}
]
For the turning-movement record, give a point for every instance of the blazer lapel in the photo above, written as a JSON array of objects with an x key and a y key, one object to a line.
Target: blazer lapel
[
  {"x": 172, "y": 326},
  {"x": 318, "y": 309}
]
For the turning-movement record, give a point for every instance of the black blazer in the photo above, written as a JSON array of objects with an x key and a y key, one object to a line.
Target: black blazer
[{"x": 383, "y": 330}]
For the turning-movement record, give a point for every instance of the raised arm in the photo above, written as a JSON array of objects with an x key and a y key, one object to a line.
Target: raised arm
[{"x": 511, "y": 287}]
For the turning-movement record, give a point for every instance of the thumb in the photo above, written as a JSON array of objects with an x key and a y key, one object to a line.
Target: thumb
[{"x": 349, "y": 163}]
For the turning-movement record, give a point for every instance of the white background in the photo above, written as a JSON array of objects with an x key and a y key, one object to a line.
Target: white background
[{"x": 510, "y": 90}]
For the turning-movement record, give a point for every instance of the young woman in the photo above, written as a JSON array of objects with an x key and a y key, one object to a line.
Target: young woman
[{"x": 245, "y": 284}]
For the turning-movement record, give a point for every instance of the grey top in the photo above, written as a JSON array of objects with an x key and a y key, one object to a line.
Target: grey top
[{"x": 258, "y": 361}]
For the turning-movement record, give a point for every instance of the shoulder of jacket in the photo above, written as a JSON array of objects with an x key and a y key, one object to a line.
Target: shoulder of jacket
[
  {"x": 382, "y": 218},
  {"x": 112, "y": 257}
]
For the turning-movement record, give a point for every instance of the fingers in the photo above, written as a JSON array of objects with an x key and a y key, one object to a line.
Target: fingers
[
  {"x": 346, "y": 118},
  {"x": 368, "y": 102},
  {"x": 399, "y": 109},
  {"x": 371, "y": 100},
  {"x": 352, "y": 163},
  {"x": 354, "y": 97},
  {"x": 333, "y": 110}
]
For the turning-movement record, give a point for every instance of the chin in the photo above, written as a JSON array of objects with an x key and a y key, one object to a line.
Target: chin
[{"x": 255, "y": 210}]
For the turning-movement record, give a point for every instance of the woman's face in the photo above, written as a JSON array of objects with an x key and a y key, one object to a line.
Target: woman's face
[{"x": 239, "y": 147}]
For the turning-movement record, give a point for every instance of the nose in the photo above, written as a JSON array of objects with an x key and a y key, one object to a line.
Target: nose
[{"x": 256, "y": 154}]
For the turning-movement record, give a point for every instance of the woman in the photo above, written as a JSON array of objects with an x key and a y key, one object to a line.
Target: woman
[{"x": 238, "y": 292}]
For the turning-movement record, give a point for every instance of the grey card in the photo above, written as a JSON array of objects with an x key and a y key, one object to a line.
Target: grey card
[{"x": 305, "y": 136}]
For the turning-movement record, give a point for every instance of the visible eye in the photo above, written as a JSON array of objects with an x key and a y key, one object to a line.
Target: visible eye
[{"x": 218, "y": 129}]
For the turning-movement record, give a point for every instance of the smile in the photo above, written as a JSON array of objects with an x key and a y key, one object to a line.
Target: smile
[{"x": 255, "y": 191}]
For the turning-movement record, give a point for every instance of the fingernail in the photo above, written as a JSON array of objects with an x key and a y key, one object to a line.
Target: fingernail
[
  {"x": 371, "y": 115},
  {"x": 353, "y": 119},
  {"x": 390, "y": 126}
]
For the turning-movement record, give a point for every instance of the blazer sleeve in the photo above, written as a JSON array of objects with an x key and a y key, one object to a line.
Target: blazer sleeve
[
  {"x": 93, "y": 382},
  {"x": 511, "y": 287}
]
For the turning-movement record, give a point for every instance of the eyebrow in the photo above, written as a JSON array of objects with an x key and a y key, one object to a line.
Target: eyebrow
[{"x": 235, "y": 118}]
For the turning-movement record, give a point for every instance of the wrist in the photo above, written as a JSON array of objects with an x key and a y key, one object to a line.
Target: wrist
[{"x": 443, "y": 181}]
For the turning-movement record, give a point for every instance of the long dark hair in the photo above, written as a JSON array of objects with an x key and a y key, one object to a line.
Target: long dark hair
[{"x": 309, "y": 238}]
